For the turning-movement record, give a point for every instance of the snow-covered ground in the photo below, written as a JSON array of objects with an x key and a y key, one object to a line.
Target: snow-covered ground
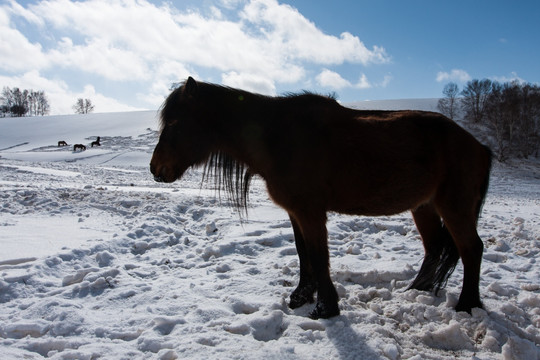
[{"x": 99, "y": 261}]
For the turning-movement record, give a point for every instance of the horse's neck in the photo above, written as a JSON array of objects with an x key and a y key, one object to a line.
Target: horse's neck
[{"x": 241, "y": 131}]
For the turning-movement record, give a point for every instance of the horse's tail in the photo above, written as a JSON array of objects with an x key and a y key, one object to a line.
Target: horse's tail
[
  {"x": 438, "y": 264},
  {"x": 448, "y": 260}
]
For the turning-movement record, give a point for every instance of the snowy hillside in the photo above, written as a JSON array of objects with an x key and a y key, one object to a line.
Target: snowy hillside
[
  {"x": 99, "y": 261},
  {"x": 404, "y": 104}
]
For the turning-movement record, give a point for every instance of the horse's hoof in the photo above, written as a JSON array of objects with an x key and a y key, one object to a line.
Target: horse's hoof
[
  {"x": 467, "y": 307},
  {"x": 298, "y": 300},
  {"x": 302, "y": 295},
  {"x": 324, "y": 311}
]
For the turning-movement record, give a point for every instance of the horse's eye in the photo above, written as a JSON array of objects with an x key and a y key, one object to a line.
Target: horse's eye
[{"x": 171, "y": 123}]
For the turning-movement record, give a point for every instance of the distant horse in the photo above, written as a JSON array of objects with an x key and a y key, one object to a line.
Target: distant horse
[
  {"x": 317, "y": 156},
  {"x": 97, "y": 142},
  {"x": 62, "y": 143},
  {"x": 80, "y": 147}
]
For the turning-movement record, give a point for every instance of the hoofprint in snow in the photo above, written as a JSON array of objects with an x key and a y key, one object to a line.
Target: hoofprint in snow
[{"x": 99, "y": 261}]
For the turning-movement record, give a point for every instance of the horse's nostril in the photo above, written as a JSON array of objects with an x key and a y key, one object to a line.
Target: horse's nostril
[{"x": 158, "y": 178}]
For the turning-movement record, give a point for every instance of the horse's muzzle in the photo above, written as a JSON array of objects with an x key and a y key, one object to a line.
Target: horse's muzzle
[
  {"x": 163, "y": 174},
  {"x": 157, "y": 177}
]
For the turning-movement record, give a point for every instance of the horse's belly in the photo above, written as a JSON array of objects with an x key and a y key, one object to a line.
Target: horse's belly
[
  {"x": 381, "y": 200},
  {"x": 371, "y": 209}
]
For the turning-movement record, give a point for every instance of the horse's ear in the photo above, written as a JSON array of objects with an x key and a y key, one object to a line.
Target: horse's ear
[{"x": 191, "y": 88}]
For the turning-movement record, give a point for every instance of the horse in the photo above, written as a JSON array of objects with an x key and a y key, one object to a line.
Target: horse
[
  {"x": 62, "y": 143},
  {"x": 97, "y": 142},
  {"x": 317, "y": 156},
  {"x": 80, "y": 147}
]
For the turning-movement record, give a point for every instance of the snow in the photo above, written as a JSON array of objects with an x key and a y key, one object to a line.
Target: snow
[
  {"x": 401, "y": 104},
  {"x": 99, "y": 261}
]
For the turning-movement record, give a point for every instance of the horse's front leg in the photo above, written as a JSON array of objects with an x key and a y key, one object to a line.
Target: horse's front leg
[
  {"x": 306, "y": 286},
  {"x": 315, "y": 236}
]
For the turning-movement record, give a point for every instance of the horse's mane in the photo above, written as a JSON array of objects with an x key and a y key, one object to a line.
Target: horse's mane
[
  {"x": 226, "y": 172},
  {"x": 230, "y": 175},
  {"x": 170, "y": 103}
]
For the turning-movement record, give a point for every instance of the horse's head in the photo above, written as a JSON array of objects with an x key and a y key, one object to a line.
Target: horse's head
[{"x": 183, "y": 142}]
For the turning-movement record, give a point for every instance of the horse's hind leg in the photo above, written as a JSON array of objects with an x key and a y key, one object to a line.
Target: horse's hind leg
[
  {"x": 441, "y": 254},
  {"x": 307, "y": 285},
  {"x": 470, "y": 248},
  {"x": 459, "y": 207}
]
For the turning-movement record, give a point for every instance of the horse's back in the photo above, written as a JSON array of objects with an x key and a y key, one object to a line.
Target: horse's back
[
  {"x": 388, "y": 162},
  {"x": 402, "y": 138}
]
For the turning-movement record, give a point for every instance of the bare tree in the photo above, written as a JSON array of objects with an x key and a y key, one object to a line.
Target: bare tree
[
  {"x": 16, "y": 102},
  {"x": 449, "y": 105},
  {"x": 43, "y": 106},
  {"x": 32, "y": 102},
  {"x": 83, "y": 106},
  {"x": 38, "y": 104},
  {"x": 4, "y": 108},
  {"x": 529, "y": 120},
  {"x": 496, "y": 115},
  {"x": 88, "y": 106},
  {"x": 79, "y": 106},
  {"x": 474, "y": 99},
  {"x": 513, "y": 114}
]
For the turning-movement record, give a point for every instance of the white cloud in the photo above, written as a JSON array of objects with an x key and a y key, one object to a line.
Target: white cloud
[
  {"x": 126, "y": 40},
  {"x": 507, "y": 79},
  {"x": 363, "y": 82},
  {"x": 231, "y": 4},
  {"x": 301, "y": 39},
  {"x": 270, "y": 39},
  {"x": 454, "y": 75},
  {"x": 250, "y": 82},
  {"x": 387, "y": 79},
  {"x": 16, "y": 52},
  {"x": 99, "y": 57},
  {"x": 17, "y": 9},
  {"x": 333, "y": 80},
  {"x": 330, "y": 79}
]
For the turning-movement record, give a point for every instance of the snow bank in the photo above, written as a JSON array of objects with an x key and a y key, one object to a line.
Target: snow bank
[
  {"x": 403, "y": 104},
  {"x": 99, "y": 261}
]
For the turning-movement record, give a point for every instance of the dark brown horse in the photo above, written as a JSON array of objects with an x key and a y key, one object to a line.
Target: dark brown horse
[
  {"x": 80, "y": 147},
  {"x": 317, "y": 156},
  {"x": 97, "y": 142}
]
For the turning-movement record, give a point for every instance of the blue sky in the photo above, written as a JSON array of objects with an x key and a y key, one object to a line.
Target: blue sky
[{"x": 124, "y": 55}]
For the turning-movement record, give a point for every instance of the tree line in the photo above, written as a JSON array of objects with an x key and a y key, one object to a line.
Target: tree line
[
  {"x": 16, "y": 102},
  {"x": 510, "y": 111}
]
